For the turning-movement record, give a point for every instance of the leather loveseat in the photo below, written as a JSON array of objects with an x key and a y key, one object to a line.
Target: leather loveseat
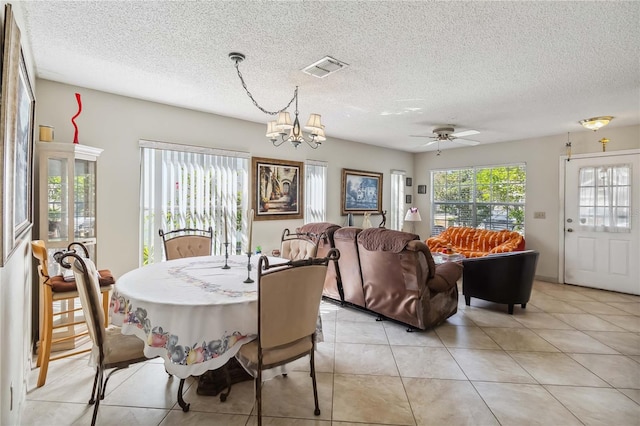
[
  {"x": 392, "y": 274},
  {"x": 472, "y": 242}
]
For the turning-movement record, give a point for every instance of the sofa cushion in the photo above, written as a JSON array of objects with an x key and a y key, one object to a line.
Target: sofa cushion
[{"x": 384, "y": 239}]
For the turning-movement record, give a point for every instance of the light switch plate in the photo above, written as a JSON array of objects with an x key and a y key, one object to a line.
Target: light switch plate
[{"x": 539, "y": 215}]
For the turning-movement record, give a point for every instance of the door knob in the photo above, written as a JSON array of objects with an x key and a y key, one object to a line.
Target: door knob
[{"x": 569, "y": 230}]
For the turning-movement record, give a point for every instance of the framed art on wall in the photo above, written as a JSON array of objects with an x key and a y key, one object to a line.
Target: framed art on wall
[
  {"x": 16, "y": 141},
  {"x": 407, "y": 199},
  {"x": 277, "y": 189},
  {"x": 361, "y": 192},
  {"x": 408, "y": 181},
  {"x": 422, "y": 189}
]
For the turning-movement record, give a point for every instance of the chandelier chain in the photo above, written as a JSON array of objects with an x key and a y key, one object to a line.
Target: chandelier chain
[{"x": 295, "y": 96}]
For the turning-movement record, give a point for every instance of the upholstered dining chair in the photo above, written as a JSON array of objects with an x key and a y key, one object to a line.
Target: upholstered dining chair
[
  {"x": 55, "y": 289},
  {"x": 111, "y": 348},
  {"x": 288, "y": 303},
  {"x": 186, "y": 242},
  {"x": 297, "y": 246}
]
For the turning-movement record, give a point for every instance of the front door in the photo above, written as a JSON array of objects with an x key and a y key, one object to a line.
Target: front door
[{"x": 602, "y": 222}]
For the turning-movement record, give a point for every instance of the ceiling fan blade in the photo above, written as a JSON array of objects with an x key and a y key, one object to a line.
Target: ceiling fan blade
[
  {"x": 421, "y": 136},
  {"x": 430, "y": 143},
  {"x": 465, "y": 142},
  {"x": 465, "y": 133}
]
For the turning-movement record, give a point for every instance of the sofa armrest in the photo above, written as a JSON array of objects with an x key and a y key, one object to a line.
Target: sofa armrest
[
  {"x": 446, "y": 276},
  {"x": 514, "y": 244}
]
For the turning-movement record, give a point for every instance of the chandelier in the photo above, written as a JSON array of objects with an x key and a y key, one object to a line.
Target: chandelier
[{"x": 281, "y": 129}]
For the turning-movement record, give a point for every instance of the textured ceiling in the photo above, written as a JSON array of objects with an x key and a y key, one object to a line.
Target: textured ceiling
[{"x": 511, "y": 70}]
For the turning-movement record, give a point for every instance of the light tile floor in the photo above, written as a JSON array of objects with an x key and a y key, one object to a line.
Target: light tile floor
[{"x": 571, "y": 357}]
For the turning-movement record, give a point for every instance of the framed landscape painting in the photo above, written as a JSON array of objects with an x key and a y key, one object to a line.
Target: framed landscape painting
[
  {"x": 361, "y": 192},
  {"x": 277, "y": 187}
]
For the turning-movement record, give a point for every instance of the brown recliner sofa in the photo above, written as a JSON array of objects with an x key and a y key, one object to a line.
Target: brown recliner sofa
[
  {"x": 322, "y": 234},
  {"x": 392, "y": 273}
]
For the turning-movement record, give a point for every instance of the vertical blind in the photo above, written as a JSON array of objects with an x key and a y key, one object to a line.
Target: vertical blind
[
  {"x": 192, "y": 187},
  {"x": 315, "y": 191},
  {"x": 396, "y": 218}
]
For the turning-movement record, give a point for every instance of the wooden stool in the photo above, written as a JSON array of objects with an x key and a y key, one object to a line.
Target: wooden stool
[{"x": 56, "y": 289}]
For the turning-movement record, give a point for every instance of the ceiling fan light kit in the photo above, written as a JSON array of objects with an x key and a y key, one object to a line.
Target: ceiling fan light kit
[
  {"x": 595, "y": 123},
  {"x": 277, "y": 129}
]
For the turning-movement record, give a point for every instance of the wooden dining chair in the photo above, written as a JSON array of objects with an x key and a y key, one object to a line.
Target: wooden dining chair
[
  {"x": 288, "y": 303},
  {"x": 186, "y": 242},
  {"x": 111, "y": 349},
  {"x": 297, "y": 246},
  {"x": 56, "y": 289}
]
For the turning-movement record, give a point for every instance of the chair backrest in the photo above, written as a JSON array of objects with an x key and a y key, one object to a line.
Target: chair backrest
[
  {"x": 298, "y": 246},
  {"x": 186, "y": 242},
  {"x": 86, "y": 276},
  {"x": 40, "y": 252},
  {"x": 289, "y": 299}
]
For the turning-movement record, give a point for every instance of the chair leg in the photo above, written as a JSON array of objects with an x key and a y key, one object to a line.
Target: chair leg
[
  {"x": 259, "y": 395},
  {"x": 46, "y": 335},
  {"x": 523, "y": 305},
  {"x": 511, "y": 309},
  {"x": 467, "y": 300},
  {"x": 315, "y": 384},
  {"x": 106, "y": 300},
  {"x": 97, "y": 386}
]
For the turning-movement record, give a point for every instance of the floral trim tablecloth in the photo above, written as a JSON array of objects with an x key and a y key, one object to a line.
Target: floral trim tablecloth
[{"x": 191, "y": 312}]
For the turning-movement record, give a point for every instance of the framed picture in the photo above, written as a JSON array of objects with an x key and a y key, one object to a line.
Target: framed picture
[
  {"x": 408, "y": 181},
  {"x": 361, "y": 192},
  {"x": 407, "y": 199},
  {"x": 277, "y": 188},
  {"x": 422, "y": 189},
  {"x": 16, "y": 141}
]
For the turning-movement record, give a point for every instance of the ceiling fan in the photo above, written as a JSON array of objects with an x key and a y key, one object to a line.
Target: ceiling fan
[{"x": 447, "y": 134}]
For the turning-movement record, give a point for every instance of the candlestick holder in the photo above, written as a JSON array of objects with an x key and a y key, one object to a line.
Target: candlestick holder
[
  {"x": 226, "y": 256},
  {"x": 248, "y": 280}
]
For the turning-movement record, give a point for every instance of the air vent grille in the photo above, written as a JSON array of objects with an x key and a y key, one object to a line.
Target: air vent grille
[{"x": 324, "y": 67}]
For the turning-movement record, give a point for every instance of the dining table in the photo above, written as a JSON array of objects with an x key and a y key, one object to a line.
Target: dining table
[{"x": 194, "y": 312}]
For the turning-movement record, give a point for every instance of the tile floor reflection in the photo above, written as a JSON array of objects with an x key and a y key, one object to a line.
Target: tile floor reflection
[{"x": 572, "y": 357}]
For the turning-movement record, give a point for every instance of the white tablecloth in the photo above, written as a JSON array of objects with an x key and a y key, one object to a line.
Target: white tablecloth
[{"x": 189, "y": 311}]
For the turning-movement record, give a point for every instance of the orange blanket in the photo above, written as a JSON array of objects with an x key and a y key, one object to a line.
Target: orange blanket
[{"x": 473, "y": 242}]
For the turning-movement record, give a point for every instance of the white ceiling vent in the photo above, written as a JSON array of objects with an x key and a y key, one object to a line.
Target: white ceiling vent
[{"x": 324, "y": 67}]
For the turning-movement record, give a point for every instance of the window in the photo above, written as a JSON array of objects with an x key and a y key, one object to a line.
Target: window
[
  {"x": 192, "y": 187},
  {"x": 482, "y": 197},
  {"x": 396, "y": 219},
  {"x": 315, "y": 201},
  {"x": 605, "y": 198}
]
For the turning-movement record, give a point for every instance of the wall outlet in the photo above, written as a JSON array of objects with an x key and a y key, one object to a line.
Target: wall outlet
[{"x": 539, "y": 215}]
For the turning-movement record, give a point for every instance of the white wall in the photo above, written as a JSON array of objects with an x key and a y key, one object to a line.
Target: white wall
[
  {"x": 117, "y": 123},
  {"x": 15, "y": 302},
  {"x": 542, "y": 156}
]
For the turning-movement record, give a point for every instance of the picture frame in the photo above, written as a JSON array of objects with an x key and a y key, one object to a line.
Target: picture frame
[
  {"x": 361, "y": 192},
  {"x": 17, "y": 109},
  {"x": 408, "y": 181},
  {"x": 277, "y": 189},
  {"x": 407, "y": 199},
  {"x": 422, "y": 189}
]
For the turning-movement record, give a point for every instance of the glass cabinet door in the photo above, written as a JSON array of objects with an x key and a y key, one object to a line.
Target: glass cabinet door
[
  {"x": 58, "y": 199},
  {"x": 85, "y": 199}
]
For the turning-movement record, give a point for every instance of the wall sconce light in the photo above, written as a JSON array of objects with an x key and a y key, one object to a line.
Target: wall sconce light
[{"x": 604, "y": 142}]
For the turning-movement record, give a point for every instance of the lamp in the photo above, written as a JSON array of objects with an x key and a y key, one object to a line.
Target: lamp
[
  {"x": 413, "y": 215},
  {"x": 277, "y": 129},
  {"x": 596, "y": 123}
]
